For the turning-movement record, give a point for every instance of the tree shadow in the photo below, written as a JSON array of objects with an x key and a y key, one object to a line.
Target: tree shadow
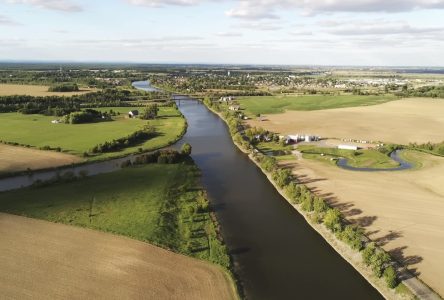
[
  {"x": 365, "y": 221},
  {"x": 392, "y": 235},
  {"x": 407, "y": 261}
]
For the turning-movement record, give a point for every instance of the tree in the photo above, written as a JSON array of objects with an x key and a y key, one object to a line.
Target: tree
[
  {"x": 282, "y": 177},
  {"x": 307, "y": 202},
  {"x": 150, "y": 112},
  {"x": 332, "y": 219},
  {"x": 368, "y": 252},
  {"x": 390, "y": 277},
  {"x": 319, "y": 205},
  {"x": 378, "y": 262},
  {"x": 186, "y": 149}
]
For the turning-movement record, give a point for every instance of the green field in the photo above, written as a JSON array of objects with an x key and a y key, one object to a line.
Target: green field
[
  {"x": 38, "y": 131},
  {"x": 155, "y": 203},
  {"x": 279, "y": 104},
  {"x": 358, "y": 159}
]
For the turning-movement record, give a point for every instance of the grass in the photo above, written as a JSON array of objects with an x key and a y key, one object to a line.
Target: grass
[
  {"x": 358, "y": 159},
  {"x": 279, "y": 104},
  {"x": 280, "y": 152},
  {"x": 153, "y": 203},
  {"x": 38, "y": 131}
]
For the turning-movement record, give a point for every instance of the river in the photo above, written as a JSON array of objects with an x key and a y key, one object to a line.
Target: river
[{"x": 276, "y": 254}]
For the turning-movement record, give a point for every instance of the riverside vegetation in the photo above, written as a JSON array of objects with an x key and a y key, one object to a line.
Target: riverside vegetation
[{"x": 316, "y": 208}]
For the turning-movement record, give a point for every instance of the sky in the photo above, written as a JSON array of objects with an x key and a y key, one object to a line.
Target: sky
[{"x": 286, "y": 32}]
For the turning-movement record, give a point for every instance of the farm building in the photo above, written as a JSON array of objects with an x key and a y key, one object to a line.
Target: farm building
[
  {"x": 348, "y": 147},
  {"x": 133, "y": 113},
  {"x": 234, "y": 107}
]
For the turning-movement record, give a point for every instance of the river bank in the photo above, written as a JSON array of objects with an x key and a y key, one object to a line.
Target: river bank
[{"x": 354, "y": 258}]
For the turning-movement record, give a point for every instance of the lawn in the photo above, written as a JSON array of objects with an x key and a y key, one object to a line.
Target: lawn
[
  {"x": 279, "y": 104},
  {"x": 38, "y": 131},
  {"x": 157, "y": 203},
  {"x": 358, "y": 159}
]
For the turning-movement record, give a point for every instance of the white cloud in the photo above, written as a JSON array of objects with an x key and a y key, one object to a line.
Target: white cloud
[
  {"x": 159, "y": 3},
  {"x": 60, "y": 5},
  {"x": 7, "y": 21},
  {"x": 229, "y": 34},
  {"x": 265, "y": 9}
]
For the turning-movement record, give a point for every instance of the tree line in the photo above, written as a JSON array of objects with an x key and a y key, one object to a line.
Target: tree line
[{"x": 317, "y": 208}]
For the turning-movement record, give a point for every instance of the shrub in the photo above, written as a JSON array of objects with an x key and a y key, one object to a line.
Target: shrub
[
  {"x": 319, "y": 205},
  {"x": 352, "y": 236},
  {"x": 378, "y": 262},
  {"x": 368, "y": 252},
  {"x": 282, "y": 177},
  {"x": 186, "y": 149},
  {"x": 332, "y": 219},
  {"x": 150, "y": 112},
  {"x": 390, "y": 277},
  {"x": 293, "y": 192},
  {"x": 307, "y": 202}
]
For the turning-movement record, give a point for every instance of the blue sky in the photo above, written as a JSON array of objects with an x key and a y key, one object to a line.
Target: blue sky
[{"x": 291, "y": 32}]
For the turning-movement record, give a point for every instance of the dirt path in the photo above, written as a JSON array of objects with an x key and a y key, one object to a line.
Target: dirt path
[
  {"x": 402, "y": 211},
  {"x": 403, "y": 121},
  {"x": 16, "y": 159},
  {"x": 43, "y": 260}
]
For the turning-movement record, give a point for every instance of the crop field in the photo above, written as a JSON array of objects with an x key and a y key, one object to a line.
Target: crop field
[
  {"x": 402, "y": 211},
  {"x": 16, "y": 159},
  {"x": 402, "y": 121},
  {"x": 38, "y": 131},
  {"x": 36, "y": 90},
  {"x": 43, "y": 260},
  {"x": 280, "y": 104}
]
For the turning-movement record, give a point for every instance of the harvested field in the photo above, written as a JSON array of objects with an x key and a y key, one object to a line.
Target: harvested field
[
  {"x": 43, "y": 260},
  {"x": 401, "y": 121},
  {"x": 402, "y": 211},
  {"x": 36, "y": 90},
  {"x": 16, "y": 159}
]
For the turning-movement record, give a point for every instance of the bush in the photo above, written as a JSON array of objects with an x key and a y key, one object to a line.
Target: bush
[
  {"x": 352, "y": 236},
  {"x": 282, "y": 177},
  {"x": 293, "y": 192},
  {"x": 390, "y": 277},
  {"x": 319, "y": 205},
  {"x": 368, "y": 252},
  {"x": 186, "y": 149},
  {"x": 150, "y": 112},
  {"x": 268, "y": 163},
  {"x": 378, "y": 262},
  {"x": 307, "y": 202},
  {"x": 332, "y": 219}
]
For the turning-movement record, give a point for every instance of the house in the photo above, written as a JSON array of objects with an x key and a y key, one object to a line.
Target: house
[
  {"x": 234, "y": 107},
  {"x": 348, "y": 147},
  {"x": 133, "y": 113}
]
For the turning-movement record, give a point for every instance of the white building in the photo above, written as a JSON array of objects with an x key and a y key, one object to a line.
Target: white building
[{"x": 348, "y": 147}]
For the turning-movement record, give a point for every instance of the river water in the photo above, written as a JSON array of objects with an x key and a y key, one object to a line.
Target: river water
[{"x": 276, "y": 254}]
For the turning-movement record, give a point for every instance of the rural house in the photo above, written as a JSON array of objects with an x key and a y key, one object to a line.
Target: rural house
[{"x": 133, "y": 113}]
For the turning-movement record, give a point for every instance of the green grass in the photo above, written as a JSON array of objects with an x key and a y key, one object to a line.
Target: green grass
[
  {"x": 358, "y": 159},
  {"x": 38, "y": 131},
  {"x": 280, "y": 152},
  {"x": 279, "y": 104},
  {"x": 151, "y": 203}
]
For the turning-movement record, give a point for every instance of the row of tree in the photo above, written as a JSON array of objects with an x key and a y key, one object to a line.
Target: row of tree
[
  {"x": 133, "y": 139},
  {"x": 316, "y": 207}
]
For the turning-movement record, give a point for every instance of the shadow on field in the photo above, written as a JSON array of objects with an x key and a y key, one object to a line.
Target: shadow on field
[{"x": 408, "y": 261}]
